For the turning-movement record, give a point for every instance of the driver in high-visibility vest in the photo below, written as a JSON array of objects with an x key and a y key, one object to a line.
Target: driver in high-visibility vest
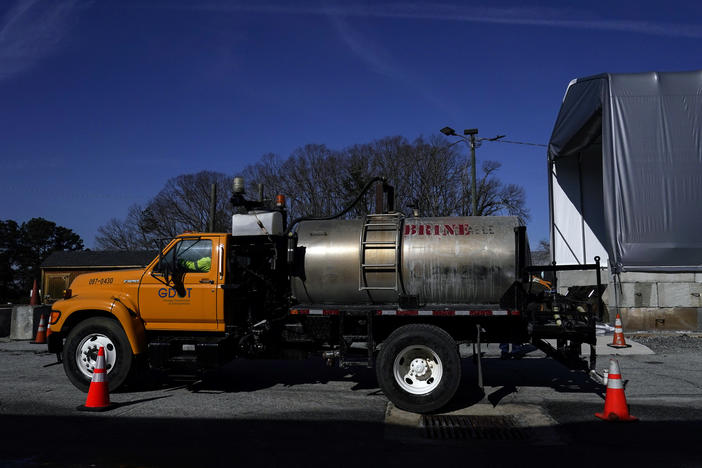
[{"x": 201, "y": 265}]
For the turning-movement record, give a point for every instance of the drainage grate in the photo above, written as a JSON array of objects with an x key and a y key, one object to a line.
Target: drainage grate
[{"x": 472, "y": 427}]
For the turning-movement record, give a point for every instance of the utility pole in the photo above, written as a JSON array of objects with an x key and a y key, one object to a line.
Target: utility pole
[
  {"x": 473, "y": 189},
  {"x": 472, "y": 142}
]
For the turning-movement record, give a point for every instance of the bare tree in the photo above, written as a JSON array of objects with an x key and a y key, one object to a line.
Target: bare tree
[
  {"x": 311, "y": 178},
  {"x": 544, "y": 245},
  {"x": 422, "y": 172},
  {"x": 496, "y": 198},
  {"x": 319, "y": 181},
  {"x": 182, "y": 205},
  {"x": 541, "y": 255},
  {"x": 436, "y": 178},
  {"x": 128, "y": 234}
]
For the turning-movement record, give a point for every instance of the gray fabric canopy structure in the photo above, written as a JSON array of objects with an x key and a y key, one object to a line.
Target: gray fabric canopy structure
[{"x": 625, "y": 172}]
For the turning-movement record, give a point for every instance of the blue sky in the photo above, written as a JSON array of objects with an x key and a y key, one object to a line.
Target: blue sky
[{"x": 103, "y": 101}]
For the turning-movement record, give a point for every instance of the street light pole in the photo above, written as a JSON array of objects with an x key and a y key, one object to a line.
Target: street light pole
[
  {"x": 473, "y": 185},
  {"x": 473, "y": 189},
  {"x": 471, "y": 141}
]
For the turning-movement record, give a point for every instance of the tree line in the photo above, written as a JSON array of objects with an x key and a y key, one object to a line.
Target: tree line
[
  {"x": 23, "y": 248},
  {"x": 317, "y": 180}
]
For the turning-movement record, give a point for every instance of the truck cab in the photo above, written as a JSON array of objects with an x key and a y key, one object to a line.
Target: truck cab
[
  {"x": 179, "y": 292},
  {"x": 181, "y": 289}
]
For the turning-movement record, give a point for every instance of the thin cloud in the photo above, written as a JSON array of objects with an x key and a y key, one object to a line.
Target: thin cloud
[
  {"x": 375, "y": 57},
  {"x": 31, "y": 30},
  {"x": 380, "y": 60},
  {"x": 525, "y": 16}
]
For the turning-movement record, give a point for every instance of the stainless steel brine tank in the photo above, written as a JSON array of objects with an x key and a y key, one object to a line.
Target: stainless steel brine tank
[{"x": 443, "y": 260}]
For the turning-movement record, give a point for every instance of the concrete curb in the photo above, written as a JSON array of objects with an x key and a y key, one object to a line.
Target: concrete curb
[{"x": 602, "y": 349}]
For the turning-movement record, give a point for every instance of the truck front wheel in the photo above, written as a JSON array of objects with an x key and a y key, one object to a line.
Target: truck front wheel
[
  {"x": 81, "y": 349},
  {"x": 419, "y": 368}
]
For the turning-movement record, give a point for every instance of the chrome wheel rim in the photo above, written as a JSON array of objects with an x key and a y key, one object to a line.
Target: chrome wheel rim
[
  {"x": 418, "y": 369},
  {"x": 87, "y": 351}
]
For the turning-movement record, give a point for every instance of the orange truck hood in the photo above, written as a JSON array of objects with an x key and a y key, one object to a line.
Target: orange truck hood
[
  {"x": 106, "y": 282},
  {"x": 100, "y": 291}
]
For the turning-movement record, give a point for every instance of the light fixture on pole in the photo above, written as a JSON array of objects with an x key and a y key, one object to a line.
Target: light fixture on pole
[{"x": 471, "y": 141}]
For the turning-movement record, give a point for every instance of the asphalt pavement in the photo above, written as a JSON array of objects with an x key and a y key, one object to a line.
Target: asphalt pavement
[{"x": 303, "y": 413}]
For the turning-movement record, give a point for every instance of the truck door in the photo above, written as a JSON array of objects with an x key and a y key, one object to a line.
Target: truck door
[{"x": 192, "y": 307}]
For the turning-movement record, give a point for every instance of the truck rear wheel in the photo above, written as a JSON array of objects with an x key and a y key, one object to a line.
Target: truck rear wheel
[
  {"x": 419, "y": 368},
  {"x": 81, "y": 348}
]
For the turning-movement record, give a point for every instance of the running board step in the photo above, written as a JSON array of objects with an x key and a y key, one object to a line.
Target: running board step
[{"x": 179, "y": 352}]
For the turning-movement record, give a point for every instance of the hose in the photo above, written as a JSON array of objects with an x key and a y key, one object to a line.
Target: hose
[{"x": 341, "y": 213}]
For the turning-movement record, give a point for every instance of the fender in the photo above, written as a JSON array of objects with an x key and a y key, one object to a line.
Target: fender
[{"x": 131, "y": 323}]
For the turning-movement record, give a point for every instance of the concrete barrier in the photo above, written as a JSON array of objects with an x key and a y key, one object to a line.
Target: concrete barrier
[
  {"x": 25, "y": 321},
  {"x": 648, "y": 301},
  {"x": 22, "y": 322},
  {"x": 661, "y": 319}
]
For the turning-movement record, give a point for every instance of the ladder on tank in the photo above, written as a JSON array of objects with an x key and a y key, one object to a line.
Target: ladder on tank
[{"x": 372, "y": 223}]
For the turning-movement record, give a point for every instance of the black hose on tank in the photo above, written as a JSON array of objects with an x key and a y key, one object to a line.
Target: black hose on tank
[{"x": 341, "y": 213}]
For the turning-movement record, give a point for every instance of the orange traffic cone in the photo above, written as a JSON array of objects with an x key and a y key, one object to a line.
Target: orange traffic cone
[
  {"x": 615, "y": 408},
  {"x": 98, "y": 393},
  {"x": 34, "y": 296},
  {"x": 618, "y": 341},
  {"x": 41, "y": 331}
]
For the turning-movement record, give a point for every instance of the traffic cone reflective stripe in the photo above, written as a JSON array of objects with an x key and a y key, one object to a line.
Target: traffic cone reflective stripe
[
  {"x": 41, "y": 331},
  {"x": 99, "y": 376},
  {"x": 98, "y": 393},
  {"x": 616, "y": 408},
  {"x": 618, "y": 341},
  {"x": 616, "y": 382}
]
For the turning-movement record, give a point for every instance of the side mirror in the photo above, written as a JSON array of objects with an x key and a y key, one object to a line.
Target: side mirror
[
  {"x": 177, "y": 268},
  {"x": 176, "y": 278},
  {"x": 159, "y": 268},
  {"x": 163, "y": 268}
]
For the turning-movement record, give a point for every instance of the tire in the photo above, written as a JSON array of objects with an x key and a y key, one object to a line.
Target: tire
[
  {"x": 419, "y": 368},
  {"x": 80, "y": 352}
]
